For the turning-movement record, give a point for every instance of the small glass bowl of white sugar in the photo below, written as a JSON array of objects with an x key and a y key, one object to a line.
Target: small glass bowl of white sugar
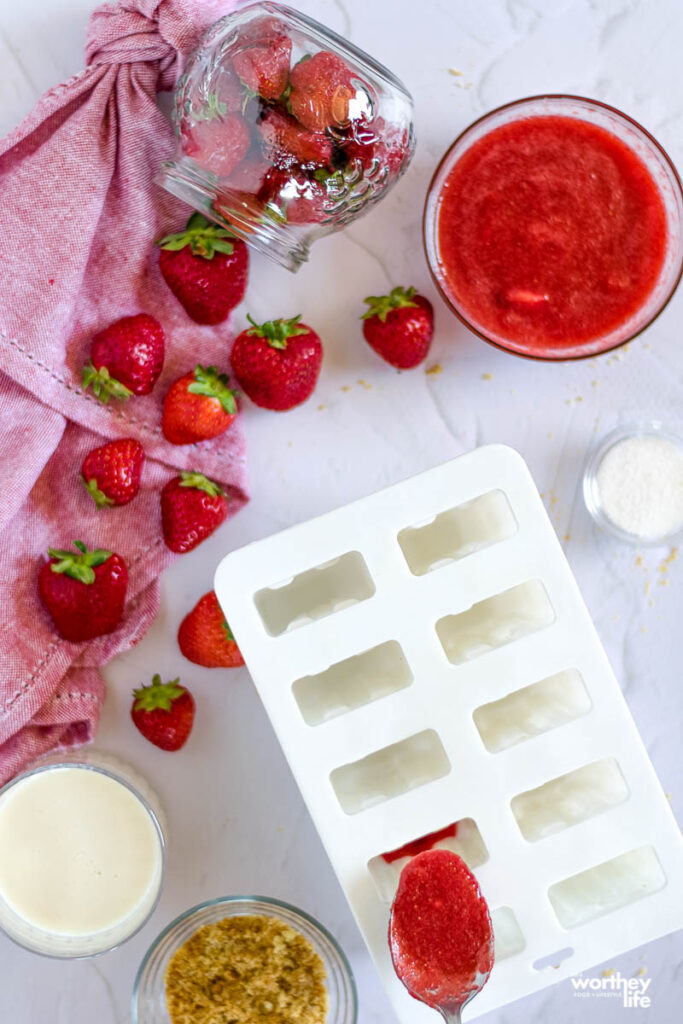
[{"x": 633, "y": 484}]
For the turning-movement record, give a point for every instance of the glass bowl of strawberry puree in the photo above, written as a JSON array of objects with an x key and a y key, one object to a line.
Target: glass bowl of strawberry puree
[
  {"x": 286, "y": 132},
  {"x": 553, "y": 227}
]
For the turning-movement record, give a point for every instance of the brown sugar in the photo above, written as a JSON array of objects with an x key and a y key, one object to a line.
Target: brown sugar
[{"x": 244, "y": 970}]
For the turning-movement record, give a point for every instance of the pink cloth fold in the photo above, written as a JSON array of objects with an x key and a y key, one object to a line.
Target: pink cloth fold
[{"x": 80, "y": 214}]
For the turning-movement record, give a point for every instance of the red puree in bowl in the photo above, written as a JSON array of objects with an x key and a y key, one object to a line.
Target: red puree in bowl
[
  {"x": 550, "y": 230},
  {"x": 440, "y": 932}
]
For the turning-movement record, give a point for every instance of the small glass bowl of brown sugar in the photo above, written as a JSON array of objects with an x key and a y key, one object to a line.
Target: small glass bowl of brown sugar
[{"x": 250, "y": 957}]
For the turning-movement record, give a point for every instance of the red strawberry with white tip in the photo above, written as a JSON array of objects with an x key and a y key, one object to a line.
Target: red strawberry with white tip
[
  {"x": 163, "y": 713},
  {"x": 277, "y": 363},
  {"x": 205, "y": 637},
  {"x": 399, "y": 326},
  {"x": 192, "y": 507},
  {"x": 206, "y": 268},
  {"x": 126, "y": 358},
  {"x": 111, "y": 474},
  {"x": 198, "y": 406},
  {"x": 84, "y": 591},
  {"x": 324, "y": 94},
  {"x": 263, "y": 66}
]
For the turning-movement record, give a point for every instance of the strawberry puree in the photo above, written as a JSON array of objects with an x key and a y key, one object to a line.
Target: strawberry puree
[
  {"x": 440, "y": 933},
  {"x": 551, "y": 230},
  {"x": 422, "y": 844}
]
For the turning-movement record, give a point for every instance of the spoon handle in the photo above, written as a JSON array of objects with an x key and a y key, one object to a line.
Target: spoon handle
[{"x": 451, "y": 1015}]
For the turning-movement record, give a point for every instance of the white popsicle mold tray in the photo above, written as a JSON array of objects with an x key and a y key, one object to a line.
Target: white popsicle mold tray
[{"x": 426, "y": 660}]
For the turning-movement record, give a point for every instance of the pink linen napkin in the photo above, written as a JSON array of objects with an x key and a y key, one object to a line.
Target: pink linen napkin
[{"x": 80, "y": 214}]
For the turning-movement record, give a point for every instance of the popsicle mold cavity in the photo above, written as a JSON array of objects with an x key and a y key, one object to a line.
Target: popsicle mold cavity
[
  {"x": 508, "y": 939},
  {"x": 352, "y": 683},
  {"x": 467, "y": 842},
  {"x": 607, "y": 887},
  {"x": 313, "y": 594},
  {"x": 389, "y": 772},
  {"x": 458, "y": 532},
  {"x": 495, "y": 621},
  {"x": 569, "y": 799},
  {"x": 533, "y": 710}
]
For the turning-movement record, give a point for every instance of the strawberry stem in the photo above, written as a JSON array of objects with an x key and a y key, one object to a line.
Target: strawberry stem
[
  {"x": 201, "y": 482},
  {"x": 79, "y": 567},
  {"x": 382, "y": 305},
  {"x": 103, "y": 385},
  {"x": 99, "y": 497},
  {"x": 277, "y": 331},
  {"x": 204, "y": 238},
  {"x": 213, "y": 384},
  {"x": 157, "y": 695}
]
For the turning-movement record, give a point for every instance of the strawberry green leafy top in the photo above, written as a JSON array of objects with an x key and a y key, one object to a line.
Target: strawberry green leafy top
[
  {"x": 277, "y": 331},
  {"x": 79, "y": 567},
  {"x": 382, "y": 305},
  {"x": 201, "y": 482},
  {"x": 213, "y": 384},
  {"x": 203, "y": 237}
]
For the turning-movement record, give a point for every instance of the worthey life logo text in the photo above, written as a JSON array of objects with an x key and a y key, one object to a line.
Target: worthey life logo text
[{"x": 633, "y": 991}]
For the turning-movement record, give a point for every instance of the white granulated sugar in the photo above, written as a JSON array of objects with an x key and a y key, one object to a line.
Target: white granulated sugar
[{"x": 640, "y": 483}]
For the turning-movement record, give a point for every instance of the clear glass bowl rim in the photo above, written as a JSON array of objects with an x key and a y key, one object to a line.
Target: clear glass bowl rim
[
  {"x": 111, "y": 773},
  {"x": 248, "y": 901},
  {"x": 634, "y": 428},
  {"x": 430, "y": 193}
]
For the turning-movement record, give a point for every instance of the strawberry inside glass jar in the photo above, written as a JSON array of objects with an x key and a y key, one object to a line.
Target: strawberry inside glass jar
[{"x": 286, "y": 132}]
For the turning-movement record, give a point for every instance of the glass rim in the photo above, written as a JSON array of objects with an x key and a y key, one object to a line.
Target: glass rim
[
  {"x": 429, "y": 221},
  {"x": 623, "y": 432},
  {"x": 247, "y": 900},
  {"x": 111, "y": 773}
]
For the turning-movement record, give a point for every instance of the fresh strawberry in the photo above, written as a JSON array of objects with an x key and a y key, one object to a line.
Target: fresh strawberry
[
  {"x": 376, "y": 145},
  {"x": 84, "y": 591},
  {"x": 163, "y": 713},
  {"x": 198, "y": 406},
  {"x": 248, "y": 177},
  {"x": 322, "y": 91},
  {"x": 192, "y": 507},
  {"x": 111, "y": 474},
  {"x": 293, "y": 196},
  {"x": 205, "y": 638},
  {"x": 399, "y": 326},
  {"x": 125, "y": 358},
  {"x": 264, "y": 66},
  {"x": 277, "y": 363},
  {"x": 206, "y": 268},
  {"x": 218, "y": 143},
  {"x": 286, "y": 142}
]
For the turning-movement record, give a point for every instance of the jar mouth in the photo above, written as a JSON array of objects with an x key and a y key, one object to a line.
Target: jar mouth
[{"x": 252, "y": 225}]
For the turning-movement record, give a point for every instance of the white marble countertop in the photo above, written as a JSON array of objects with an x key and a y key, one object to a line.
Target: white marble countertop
[{"x": 237, "y": 822}]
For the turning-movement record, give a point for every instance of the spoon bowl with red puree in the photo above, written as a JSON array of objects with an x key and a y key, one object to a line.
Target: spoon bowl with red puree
[
  {"x": 440, "y": 933},
  {"x": 554, "y": 227}
]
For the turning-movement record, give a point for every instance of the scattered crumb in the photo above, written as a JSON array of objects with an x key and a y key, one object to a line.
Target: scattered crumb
[
  {"x": 567, "y": 537},
  {"x": 663, "y": 582},
  {"x": 279, "y": 828},
  {"x": 364, "y": 384},
  {"x": 639, "y": 560},
  {"x": 320, "y": 408},
  {"x": 434, "y": 370},
  {"x": 487, "y": 376},
  {"x": 648, "y": 587},
  {"x": 290, "y": 444},
  {"x": 668, "y": 797},
  {"x": 594, "y": 383},
  {"x": 345, "y": 387},
  {"x": 643, "y": 629},
  {"x": 641, "y": 972},
  {"x": 608, "y": 972},
  {"x": 455, "y": 72}
]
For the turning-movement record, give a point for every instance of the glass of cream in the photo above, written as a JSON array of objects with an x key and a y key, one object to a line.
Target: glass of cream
[{"x": 82, "y": 856}]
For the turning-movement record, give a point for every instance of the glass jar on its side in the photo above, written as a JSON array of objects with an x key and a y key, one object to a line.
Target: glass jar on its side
[{"x": 286, "y": 132}]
